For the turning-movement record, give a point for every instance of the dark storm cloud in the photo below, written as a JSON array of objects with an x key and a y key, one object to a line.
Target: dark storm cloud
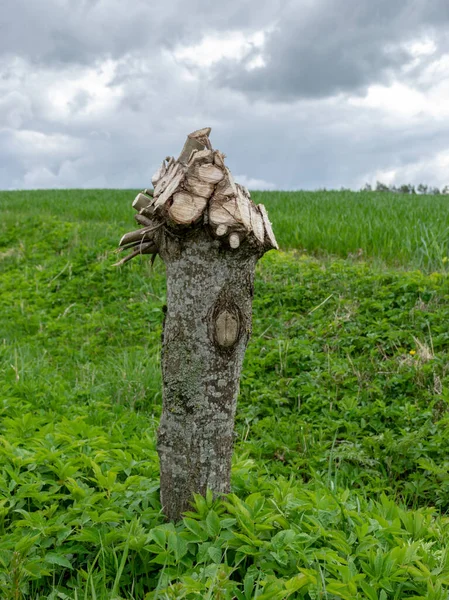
[
  {"x": 325, "y": 47},
  {"x": 59, "y": 32}
]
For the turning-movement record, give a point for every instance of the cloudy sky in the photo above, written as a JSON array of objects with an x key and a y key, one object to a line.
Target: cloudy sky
[{"x": 300, "y": 94}]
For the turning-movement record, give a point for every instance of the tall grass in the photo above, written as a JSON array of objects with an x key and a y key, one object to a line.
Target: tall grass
[
  {"x": 399, "y": 230},
  {"x": 408, "y": 231}
]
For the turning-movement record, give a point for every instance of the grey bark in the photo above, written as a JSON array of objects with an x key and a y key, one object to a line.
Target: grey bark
[{"x": 206, "y": 330}]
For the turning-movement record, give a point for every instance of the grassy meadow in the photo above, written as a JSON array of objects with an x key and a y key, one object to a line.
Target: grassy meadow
[{"x": 340, "y": 483}]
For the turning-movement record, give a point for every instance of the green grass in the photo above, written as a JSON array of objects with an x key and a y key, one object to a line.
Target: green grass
[
  {"x": 399, "y": 230},
  {"x": 341, "y": 473}
]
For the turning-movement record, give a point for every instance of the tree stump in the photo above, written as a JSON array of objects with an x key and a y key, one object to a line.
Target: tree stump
[{"x": 210, "y": 235}]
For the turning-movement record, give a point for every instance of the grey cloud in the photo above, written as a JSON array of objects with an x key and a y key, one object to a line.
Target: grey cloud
[
  {"x": 330, "y": 47},
  {"x": 310, "y": 141},
  {"x": 80, "y": 101},
  {"x": 310, "y": 150},
  {"x": 59, "y": 32},
  {"x": 15, "y": 109},
  {"x": 318, "y": 144}
]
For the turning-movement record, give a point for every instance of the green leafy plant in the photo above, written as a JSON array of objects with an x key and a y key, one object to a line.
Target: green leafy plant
[{"x": 340, "y": 481}]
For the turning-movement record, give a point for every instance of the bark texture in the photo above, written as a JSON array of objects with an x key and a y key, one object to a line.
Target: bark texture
[
  {"x": 206, "y": 330},
  {"x": 210, "y": 235}
]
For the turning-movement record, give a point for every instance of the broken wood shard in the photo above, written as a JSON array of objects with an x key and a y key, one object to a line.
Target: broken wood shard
[
  {"x": 190, "y": 146},
  {"x": 201, "y": 157},
  {"x": 137, "y": 235},
  {"x": 245, "y": 191},
  {"x": 257, "y": 224},
  {"x": 200, "y": 133},
  {"x": 142, "y": 201},
  {"x": 148, "y": 248},
  {"x": 197, "y": 140},
  {"x": 143, "y": 220},
  {"x": 219, "y": 214},
  {"x": 233, "y": 212},
  {"x": 170, "y": 189},
  {"x": 219, "y": 159},
  {"x": 244, "y": 208},
  {"x": 164, "y": 181},
  {"x": 270, "y": 239},
  {"x": 226, "y": 187},
  {"x": 159, "y": 174}
]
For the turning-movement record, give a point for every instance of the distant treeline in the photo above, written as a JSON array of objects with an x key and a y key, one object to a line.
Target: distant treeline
[{"x": 406, "y": 189}]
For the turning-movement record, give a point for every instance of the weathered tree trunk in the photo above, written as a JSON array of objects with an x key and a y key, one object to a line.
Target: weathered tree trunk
[
  {"x": 209, "y": 235},
  {"x": 206, "y": 330}
]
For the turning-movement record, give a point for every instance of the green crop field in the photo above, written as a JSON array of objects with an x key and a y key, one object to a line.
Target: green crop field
[{"x": 340, "y": 483}]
